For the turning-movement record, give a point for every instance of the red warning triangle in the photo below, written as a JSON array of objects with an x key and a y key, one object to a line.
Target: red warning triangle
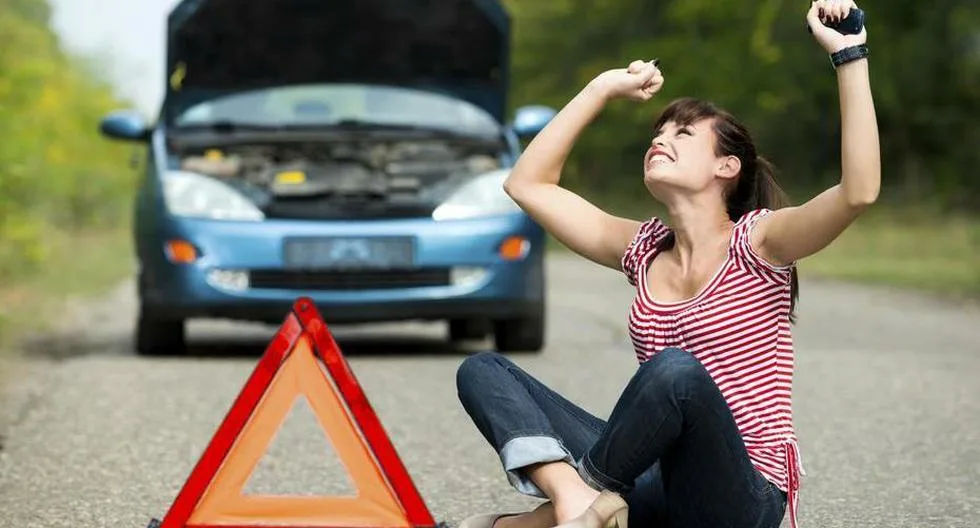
[{"x": 297, "y": 364}]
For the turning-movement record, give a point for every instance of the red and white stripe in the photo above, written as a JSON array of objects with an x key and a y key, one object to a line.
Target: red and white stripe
[{"x": 738, "y": 327}]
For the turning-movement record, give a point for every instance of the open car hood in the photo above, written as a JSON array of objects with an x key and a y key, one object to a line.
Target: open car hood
[{"x": 454, "y": 47}]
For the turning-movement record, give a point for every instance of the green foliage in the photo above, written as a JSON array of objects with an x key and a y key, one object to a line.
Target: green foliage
[
  {"x": 56, "y": 172},
  {"x": 758, "y": 61},
  {"x": 755, "y": 59}
]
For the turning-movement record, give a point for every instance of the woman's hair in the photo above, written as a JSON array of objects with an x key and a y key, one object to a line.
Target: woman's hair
[{"x": 755, "y": 187}]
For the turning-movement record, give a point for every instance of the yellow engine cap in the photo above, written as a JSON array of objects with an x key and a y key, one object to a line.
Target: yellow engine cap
[{"x": 291, "y": 177}]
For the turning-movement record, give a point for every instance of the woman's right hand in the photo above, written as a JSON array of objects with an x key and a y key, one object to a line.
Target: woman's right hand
[{"x": 638, "y": 82}]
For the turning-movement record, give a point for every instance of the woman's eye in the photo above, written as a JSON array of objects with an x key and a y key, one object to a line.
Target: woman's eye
[{"x": 684, "y": 130}]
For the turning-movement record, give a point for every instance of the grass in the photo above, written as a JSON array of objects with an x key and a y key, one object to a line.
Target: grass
[
  {"x": 933, "y": 253},
  {"x": 926, "y": 250},
  {"x": 79, "y": 264}
]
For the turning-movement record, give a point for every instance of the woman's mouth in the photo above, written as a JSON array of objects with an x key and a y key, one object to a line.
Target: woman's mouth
[{"x": 659, "y": 157}]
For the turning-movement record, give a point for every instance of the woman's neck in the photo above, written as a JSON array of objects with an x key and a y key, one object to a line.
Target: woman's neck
[{"x": 699, "y": 226}]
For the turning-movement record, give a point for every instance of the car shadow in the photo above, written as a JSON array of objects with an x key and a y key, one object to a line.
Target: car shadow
[
  {"x": 250, "y": 342},
  {"x": 378, "y": 340},
  {"x": 350, "y": 346}
]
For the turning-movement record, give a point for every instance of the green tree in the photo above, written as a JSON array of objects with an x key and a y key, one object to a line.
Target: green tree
[
  {"x": 758, "y": 61},
  {"x": 56, "y": 172}
]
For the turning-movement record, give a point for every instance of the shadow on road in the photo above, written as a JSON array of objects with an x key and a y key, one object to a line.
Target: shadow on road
[
  {"x": 352, "y": 346},
  {"x": 250, "y": 342}
]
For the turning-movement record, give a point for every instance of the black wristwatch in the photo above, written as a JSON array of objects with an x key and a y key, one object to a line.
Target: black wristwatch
[{"x": 849, "y": 54}]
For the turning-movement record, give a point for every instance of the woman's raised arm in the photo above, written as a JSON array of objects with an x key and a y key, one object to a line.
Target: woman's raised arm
[
  {"x": 534, "y": 181},
  {"x": 792, "y": 233}
]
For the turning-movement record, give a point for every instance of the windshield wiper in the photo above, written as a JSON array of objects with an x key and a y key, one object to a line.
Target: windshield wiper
[
  {"x": 227, "y": 126},
  {"x": 344, "y": 125},
  {"x": 358, "y": 124},
  {"x": 376, "y": 126}
]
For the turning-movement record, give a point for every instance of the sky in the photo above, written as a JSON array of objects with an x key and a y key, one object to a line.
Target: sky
[{"x": 128, "y": 38}]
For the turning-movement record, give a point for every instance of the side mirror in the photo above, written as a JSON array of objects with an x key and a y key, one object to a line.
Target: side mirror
[
  {"x": 126, "y": 125},
  {"x": 532, "y": 119}
]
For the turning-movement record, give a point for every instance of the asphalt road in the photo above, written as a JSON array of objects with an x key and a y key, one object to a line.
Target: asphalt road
[{"x": 887, "y": 407}]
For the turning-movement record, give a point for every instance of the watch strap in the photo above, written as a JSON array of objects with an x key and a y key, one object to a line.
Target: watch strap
[{"x": 848, "y": 54}]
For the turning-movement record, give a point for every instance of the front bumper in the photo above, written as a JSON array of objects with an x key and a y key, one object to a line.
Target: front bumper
[
  {"x": 273, "y": 311},
  {"x": 502, "y": 289}
]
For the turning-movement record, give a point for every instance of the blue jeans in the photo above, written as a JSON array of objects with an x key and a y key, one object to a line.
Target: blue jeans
[{"x": 670, "y": 446}]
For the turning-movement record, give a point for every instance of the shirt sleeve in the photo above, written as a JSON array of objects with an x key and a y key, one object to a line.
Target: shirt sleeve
[
  {"x": 646, "y": 239},
  {"x": 742, "y": 246}
]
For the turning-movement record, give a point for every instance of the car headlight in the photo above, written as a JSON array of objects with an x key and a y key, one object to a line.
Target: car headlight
[
  {"x": 481, "y": 196},
  {"x": 198, "y": 196}
]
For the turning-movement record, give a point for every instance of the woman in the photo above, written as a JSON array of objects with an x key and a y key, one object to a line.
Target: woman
[{"x": 702, "y": 435}]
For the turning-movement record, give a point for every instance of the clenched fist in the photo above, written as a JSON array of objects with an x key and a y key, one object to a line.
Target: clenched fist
[
  {"x": 833, "y": 10},
  {"x": 638, "y": 82}
]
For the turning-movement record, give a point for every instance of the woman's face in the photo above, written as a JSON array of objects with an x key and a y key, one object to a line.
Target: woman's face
[{"x": 681, "y": 157}]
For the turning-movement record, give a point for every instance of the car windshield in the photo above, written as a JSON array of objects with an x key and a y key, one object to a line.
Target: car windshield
[{"x": 336, "y": 104}]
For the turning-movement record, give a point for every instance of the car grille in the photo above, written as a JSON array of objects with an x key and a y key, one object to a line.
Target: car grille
[
  {"x": 322, "y": 209},
  {"x": 348, "y": 280}
]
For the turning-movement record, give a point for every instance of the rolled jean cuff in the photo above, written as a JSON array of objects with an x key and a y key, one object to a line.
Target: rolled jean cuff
[
  {"x": 524, "y": 451},
  {"x": 596, "y": 480}
]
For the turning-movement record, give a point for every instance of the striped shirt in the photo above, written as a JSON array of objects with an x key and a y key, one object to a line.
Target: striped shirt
[{"x": 738, "y": 327}]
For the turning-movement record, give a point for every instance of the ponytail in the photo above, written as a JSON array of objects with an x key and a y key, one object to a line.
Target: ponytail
[{"x": 756, "y": 189}]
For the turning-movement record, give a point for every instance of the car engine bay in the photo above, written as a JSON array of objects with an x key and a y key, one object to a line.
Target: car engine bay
[{"x": 343, "y": 178}]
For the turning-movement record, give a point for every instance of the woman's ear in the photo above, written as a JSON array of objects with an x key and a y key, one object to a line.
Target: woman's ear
[{"x": 729, "y": 167}]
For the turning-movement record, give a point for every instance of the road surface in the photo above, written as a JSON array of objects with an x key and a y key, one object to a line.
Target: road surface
[{"x": 887, "y": 407}]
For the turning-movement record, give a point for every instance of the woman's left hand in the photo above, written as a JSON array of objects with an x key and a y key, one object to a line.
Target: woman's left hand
[{"x": 835, "y": 10}]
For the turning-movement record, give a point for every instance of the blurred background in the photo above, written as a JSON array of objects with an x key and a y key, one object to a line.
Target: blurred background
[{"x": 65, "y": 192}]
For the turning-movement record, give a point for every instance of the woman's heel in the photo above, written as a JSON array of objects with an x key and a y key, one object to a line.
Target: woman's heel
[
  {"x": 619, "y": 518},
  {"x": 609, "y": 510}
]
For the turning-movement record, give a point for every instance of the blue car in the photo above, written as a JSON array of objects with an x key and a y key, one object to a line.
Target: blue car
[{"x": 352, "y": 151}]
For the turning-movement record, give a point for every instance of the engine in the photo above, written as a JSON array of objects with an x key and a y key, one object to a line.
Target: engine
[{"x": 324, "y": 180}]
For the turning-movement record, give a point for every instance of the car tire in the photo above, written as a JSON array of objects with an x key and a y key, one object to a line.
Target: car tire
[
  {"x": 468, "y": 329},
  {"x": 160, "y": 337},
  {"x": 525, "y": 334}
]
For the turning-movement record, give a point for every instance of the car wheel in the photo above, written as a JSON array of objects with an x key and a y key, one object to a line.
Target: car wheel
[
  {"x": 468, "y": 329},
  {"x": 525, "y": 334},
  {"x": 159, "y": 337}
]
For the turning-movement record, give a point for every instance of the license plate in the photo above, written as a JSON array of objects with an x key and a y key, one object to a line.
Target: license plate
[{"x": 350, "y": 252}]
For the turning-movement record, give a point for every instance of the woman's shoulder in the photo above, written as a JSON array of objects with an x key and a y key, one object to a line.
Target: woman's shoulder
[
  {"x": 653, "y": 227},
  {"x": 742, "y": 248},
  {"x": 646, "y": 241},
  {"x": 746, "y": 223},
  {"x": 750, "y": 217},
  {"x": 651, "y": 232}
]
